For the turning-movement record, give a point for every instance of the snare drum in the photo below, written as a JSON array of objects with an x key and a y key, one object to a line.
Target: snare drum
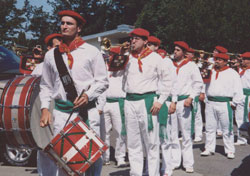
[
  {"x": 76, "y": 147},
  {"x": 20, "y": 113}
]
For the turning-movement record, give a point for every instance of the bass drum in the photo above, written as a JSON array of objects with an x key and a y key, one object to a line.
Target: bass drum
[{"x": 20, "y": 114}]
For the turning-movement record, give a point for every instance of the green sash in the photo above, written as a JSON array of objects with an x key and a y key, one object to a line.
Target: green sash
[
  {"x": 66, "y": 106},
  {"x": 194, "y": 108},
  {"x": 149, "y": 100},
  {"x": 121, "y": 106},
  {"x": 230, "y": 111},
  {"x": 247, "y": 93}
]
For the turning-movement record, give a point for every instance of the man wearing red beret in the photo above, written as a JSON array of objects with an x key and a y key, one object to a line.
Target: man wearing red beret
[
  {"x": 196, "y": 103},
  {"x": 242, "y": 110},
  {"x": 86, "y": 67},
  {"x": 224, "y": 93},
  {"x": 153, "y": 43},
  {"x": 113, "y": 113},
  {"x": 51, "y": 41},
  {"x": 142, "y": 74},
  {"x": 188, "y": 85}
]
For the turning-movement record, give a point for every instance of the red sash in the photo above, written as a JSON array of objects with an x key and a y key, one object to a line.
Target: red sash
[
  {"x": 220, "y": 70},
  {"x": 184, "y": 62},
  {"x": 145, "y": 52},
  {"x": 63, "y": 48},
  {"x": 243, "y": 71}
]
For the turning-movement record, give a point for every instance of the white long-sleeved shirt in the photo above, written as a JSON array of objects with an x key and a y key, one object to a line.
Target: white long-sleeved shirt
[
  {"x": 228, "y": 84},
  {"x": 153, "y": 71},
  {"x": 88, "y": 73},
  {"x": 189, "y": 81},
  {"x": 245, "y": 79},
  {"x": 38, "y": 70}
]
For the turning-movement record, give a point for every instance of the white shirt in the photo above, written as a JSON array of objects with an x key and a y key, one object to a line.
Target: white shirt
[
  {"x": 245, "y": 79},
  {"x": 38, "y": 70},
  {"x": 189, "y": 81},
  {"x": 228, "y": 84},
  {"x": 153, "y": 72},
  {"x": 88, "y": 73}
]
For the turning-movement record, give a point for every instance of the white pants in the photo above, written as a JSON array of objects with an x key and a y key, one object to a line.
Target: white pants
[
  {"x": 112, "y": 121},
  {"x": 218, "y": 112},
  {"x": 198, "y": 122},
  {"x": 139, "y": 137},
  {"x": 171, "y": 151},
  {"x": 182, "y": 115},
  {"x": 239, "y": 117},
  {"x": 47, "y": 167}
]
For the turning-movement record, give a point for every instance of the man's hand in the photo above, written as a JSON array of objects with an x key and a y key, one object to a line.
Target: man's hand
[
  {"x": 100, "y": 112},
  {"x": 46, "y": 118},
  {"x": 233, "y": 107},
  {"x": 188, "y": 102},
  {"x": 172, "y": 108},
  {"x": 155, "y": 108},
  {"x": 202, "y": 97},
  {"x": 82, "y": 100}
]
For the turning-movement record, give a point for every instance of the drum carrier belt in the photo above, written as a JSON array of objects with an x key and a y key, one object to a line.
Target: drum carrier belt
[{"x": 69, "y": 86}]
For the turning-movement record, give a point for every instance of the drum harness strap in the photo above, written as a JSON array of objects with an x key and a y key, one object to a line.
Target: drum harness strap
[{"x": 70, "y": 90}]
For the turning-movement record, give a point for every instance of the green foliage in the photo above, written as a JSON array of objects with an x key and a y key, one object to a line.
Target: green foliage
[
  {"x": 10, "y": 21},
  {"x": 201, "y": 23}
]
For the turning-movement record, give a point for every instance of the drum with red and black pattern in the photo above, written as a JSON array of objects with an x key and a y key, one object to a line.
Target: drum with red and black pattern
[
  {"x": 20, "y": 113},
  {"x": 76, "y": 147}
]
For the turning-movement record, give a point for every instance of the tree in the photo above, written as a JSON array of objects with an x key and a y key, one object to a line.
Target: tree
[
  {"x": 10, "y": 21},
  {"x": 201, "y": 23}
]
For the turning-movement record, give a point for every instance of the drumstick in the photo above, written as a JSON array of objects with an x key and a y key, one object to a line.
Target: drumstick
[
  {"x": 73, "y": 110},
  {"x": 50, "y": 130}
]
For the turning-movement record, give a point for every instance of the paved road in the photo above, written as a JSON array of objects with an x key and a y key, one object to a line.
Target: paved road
[{"x": 217, "y": 165}]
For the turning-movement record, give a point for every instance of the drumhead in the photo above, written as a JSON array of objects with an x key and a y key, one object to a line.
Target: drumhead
[{"x": 42, "y": 136}]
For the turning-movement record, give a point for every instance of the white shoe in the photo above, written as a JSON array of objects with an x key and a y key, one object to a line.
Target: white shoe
[
  {"x": 238, "y": 143},
  {"x": 189, "y": 169},
  {"x": 121, "y": 164},
  {"x": 219, "y": 133},
  {"x": 230, "y": 155},
  {"x": 106, "y": 163},
  {"x": 197, "y": 139},
  {"x": 207, "y": 153}
]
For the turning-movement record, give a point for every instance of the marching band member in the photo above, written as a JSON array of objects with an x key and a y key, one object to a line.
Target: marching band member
[
  {"x": 142, "y": 75},
  {"x": 189, "y": 85},
  {"x": 51, "y": 41},
  {"x": 218, "y": 49},
  {"x": 242, "y": 111},
  {"x": 198, "y": 126},
  {"x": 224, "y": 93},
  {"x": 114, "y": 115},
  {"x": 86, "y": 66},
  {"x": 153, "y": 43}
]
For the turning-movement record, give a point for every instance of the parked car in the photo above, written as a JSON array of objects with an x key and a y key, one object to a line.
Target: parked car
[{"x": 13, "y": 155}]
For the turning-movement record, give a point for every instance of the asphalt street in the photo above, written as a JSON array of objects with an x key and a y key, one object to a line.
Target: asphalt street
[{"x": 216, "y": 165}]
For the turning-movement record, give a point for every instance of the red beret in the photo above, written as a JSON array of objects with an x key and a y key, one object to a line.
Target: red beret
[
  {"x": 116, "y": 50},
  {"x": 221, "y": 49},
  {"x": 246, "y": 54},
  {"x": 50, "y": 37},
  {"x": 139, "y": 32},
  {"x": 73, "y": 14},
  {"x": 191, "y": 50},
  {"x": 155, "y": 40},
  {"x": 222, "y": 56},
  {"x": 182, "y": 44},
  {"x": 162, "y": 51}
]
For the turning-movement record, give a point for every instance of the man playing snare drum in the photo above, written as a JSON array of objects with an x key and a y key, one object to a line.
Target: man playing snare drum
[{"x": 88, "y": 72}]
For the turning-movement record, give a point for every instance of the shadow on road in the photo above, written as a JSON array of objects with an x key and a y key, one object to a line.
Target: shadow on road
[
  {"x": 243, "y": 169},
  {"x": 120, "y": 173}
]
